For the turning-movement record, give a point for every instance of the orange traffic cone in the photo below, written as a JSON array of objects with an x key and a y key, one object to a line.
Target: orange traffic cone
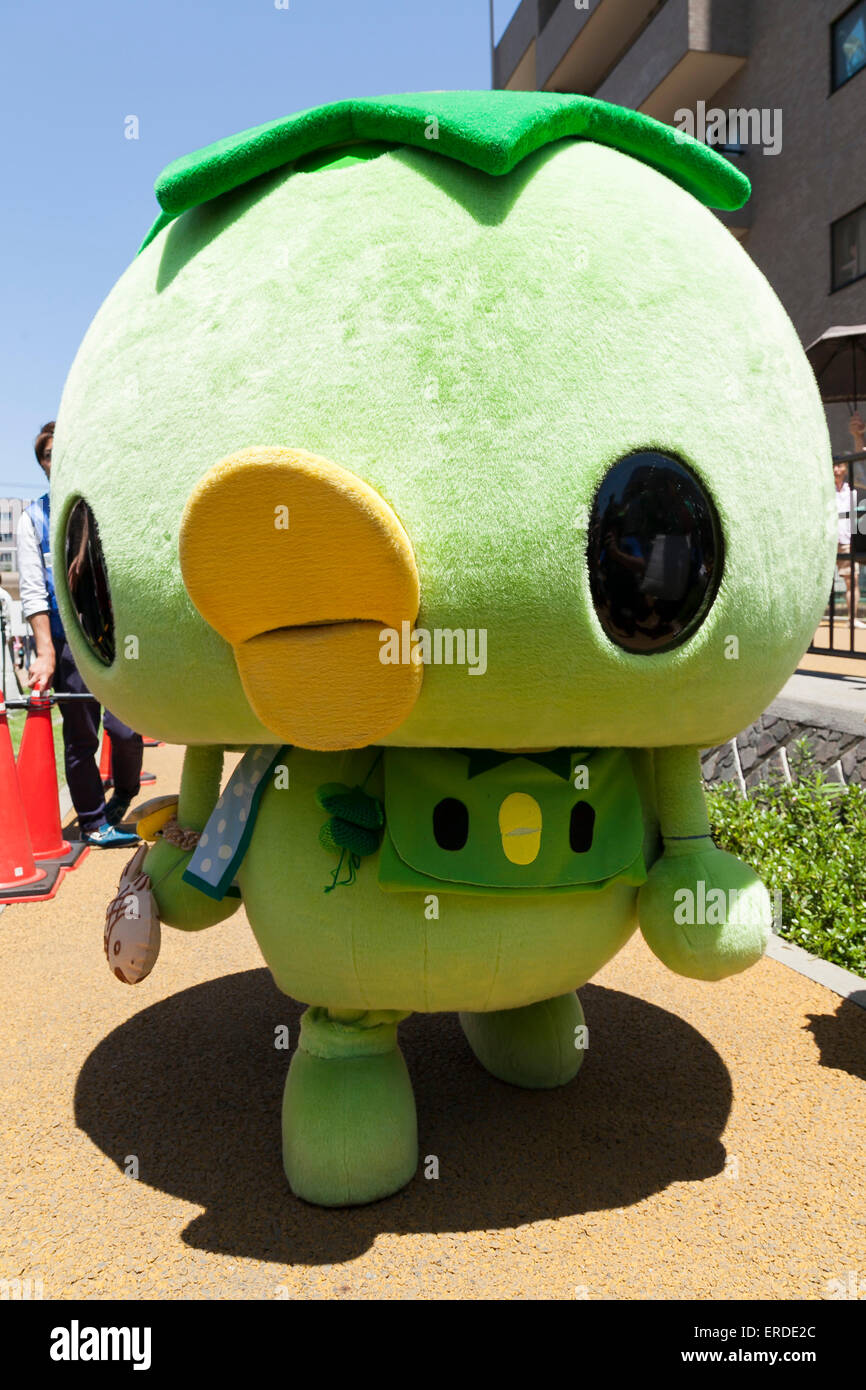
[
  {"x": 106, "y": 766},
  {"x": 105, "y": 759},
  {"x": 17, "y": 866},
  {"x": 37, "y": 780}
]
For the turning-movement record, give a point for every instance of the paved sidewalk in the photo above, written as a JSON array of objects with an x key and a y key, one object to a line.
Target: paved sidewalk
[
  {"x": 837, "y": 701},
  {"x": 712, "y": 1146}
]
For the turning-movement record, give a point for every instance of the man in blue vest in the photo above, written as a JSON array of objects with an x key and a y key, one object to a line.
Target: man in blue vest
[{"x": 53, "y": 664}]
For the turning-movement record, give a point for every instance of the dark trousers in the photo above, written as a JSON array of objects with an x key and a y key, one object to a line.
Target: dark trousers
[{"x": 81, "y": 741}]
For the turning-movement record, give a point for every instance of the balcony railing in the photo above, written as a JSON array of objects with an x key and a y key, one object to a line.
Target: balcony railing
[{"x": 845, "y": 635}]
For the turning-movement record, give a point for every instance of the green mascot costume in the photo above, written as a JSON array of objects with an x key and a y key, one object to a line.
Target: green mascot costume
[{"x": 447, "y": 457}]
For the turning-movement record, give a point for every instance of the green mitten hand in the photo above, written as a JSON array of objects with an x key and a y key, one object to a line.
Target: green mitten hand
[
  {"x": 703, "y": 912},
  {"x": 180, "y": 904}
]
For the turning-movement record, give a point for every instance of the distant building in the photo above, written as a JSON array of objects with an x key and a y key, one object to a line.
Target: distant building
[
  {"x": 10, "y": 510},
  {"x": 789, "y": 80}
]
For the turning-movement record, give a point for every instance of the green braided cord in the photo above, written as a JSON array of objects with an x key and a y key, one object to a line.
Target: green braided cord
[{"x": 351, "y": 873}]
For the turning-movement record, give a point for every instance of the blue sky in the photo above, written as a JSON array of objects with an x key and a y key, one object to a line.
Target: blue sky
[{"x": 78, "y": 196}]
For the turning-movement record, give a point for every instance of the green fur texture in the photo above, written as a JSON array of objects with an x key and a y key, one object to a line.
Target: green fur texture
[
  {"x": 350, "y": 1134},
  {"x": 477, "y": 323},
  {"x": 480, "y": 350},
  {"x": 692, "y": 933},
  {"x": 537, "y": 1047},
  {"x": 359, "y": 948},
  {"x": 489, "y": 131}
]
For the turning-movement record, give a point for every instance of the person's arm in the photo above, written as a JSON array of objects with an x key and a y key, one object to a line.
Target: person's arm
[
  {"x": 858, "y": 431},
  {"x": 34, "y": 603},
  {"x": 41, "y": 670}
]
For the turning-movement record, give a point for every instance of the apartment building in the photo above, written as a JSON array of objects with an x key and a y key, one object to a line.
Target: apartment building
[
  {"x": 10, "y": 510},
  {"x": 789, "y": 77}
]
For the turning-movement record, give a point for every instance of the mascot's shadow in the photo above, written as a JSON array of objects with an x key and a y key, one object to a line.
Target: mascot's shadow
[{"x": 192, "y": 1087}]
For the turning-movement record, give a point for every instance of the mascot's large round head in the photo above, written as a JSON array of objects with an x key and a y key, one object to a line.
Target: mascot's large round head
[{"x": 448, "y": 420}]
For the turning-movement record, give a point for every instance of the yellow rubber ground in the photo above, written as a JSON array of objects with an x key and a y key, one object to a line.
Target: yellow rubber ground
[{"x": 711, "y": 1147}]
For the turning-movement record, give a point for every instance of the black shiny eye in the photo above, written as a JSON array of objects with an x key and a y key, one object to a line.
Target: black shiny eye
[
  {"x": 450, "y": 823},
  {"x": 654, "y": 552},
  {"x": 87, "y": 581},
  {"x": 581, "y": 827}
]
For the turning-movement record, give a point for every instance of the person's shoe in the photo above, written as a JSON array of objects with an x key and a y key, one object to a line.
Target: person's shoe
[
  {"x": 117, "y": 808},
  {"x": 109, "y": 837}
]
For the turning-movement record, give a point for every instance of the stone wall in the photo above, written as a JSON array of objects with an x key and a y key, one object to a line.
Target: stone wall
[{"x": 765, "y": 751}]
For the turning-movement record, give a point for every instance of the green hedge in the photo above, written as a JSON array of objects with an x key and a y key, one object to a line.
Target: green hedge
[{"x": 808, "y": 840}]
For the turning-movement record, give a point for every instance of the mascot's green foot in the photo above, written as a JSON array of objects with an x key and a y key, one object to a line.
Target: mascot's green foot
[
  {"x": 539, "y": 1046},
  {"x": 349, "y": 1126}
]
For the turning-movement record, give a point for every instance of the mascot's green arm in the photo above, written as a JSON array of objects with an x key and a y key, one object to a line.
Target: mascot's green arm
[
  {"x": 692, "y": 927},
  {"x": 180, "y": 904}
]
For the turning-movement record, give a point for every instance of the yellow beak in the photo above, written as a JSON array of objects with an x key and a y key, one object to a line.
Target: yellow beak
[{"x": 300, "y": 565}]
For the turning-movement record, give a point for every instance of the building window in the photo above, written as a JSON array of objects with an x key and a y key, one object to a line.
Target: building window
[
  {"x": 849, "y": 43},
  {"x": 848, "y": 237}
]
